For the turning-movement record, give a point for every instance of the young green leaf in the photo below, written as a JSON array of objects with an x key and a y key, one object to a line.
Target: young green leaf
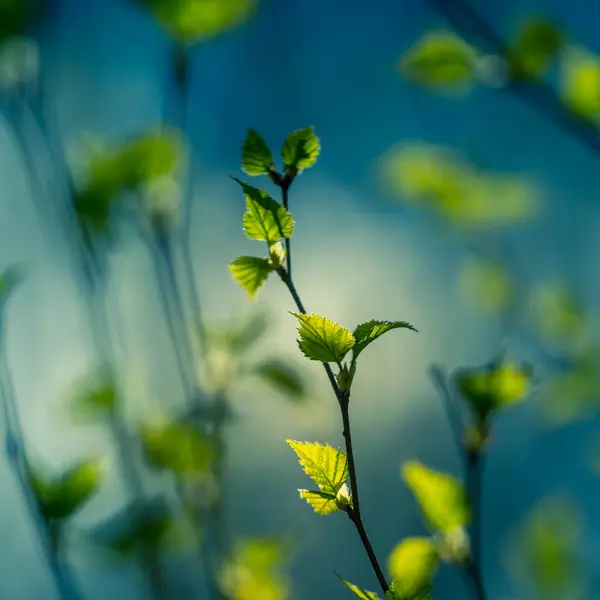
[
  {"x": 537, "y": 43},
  {"x": 326, "y": 466},
  {"x": 322, "y": 339},
  {"x": 580, "y": 82},
  {"x": 265, "y": 219},
  {"x": 256, "y": 156},
  {"x": 283, "y": 377},
  {"x": 439, "y": 59},
  {"x": 412, "y": 564},
  {"x": 360, "y": 592},
  {"x": 250, "y": 272},
  {"x": 367, "y": 332},
  {"x": 301, "y": 149},
  {"x": 322, "y": 503},
  {"x": 442, "y": 498},
  {"x": 492, "y": 388}
]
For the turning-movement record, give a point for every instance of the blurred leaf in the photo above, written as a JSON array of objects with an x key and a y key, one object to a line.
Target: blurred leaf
[
  {"x": 360, "y": 592},
  {"x": 326, "y": 466},
  {"x": 580, "y": 82},
  {"x": 16, "y": 16},
  {"x": 95, "y": 399},
  {"x": 265, "y": 219},
  {"x": 300, "y": 149},
  {"x": 138, "y": 525},
  {"x": 543, "y": 553},
  {"x": 439, "y": 59},
  {"x": 452, "y": 187},
  {"x": 9, "y": 279},
  {"x": 537, "y": 43},
  {"x": 60, "y": 496},
  {"x": 442, "y": 498},
  {"x": 494, "y": 387},
  {"x": 253, "y": 571},
  {"x": 412, "y": 564},
  {"x": 256, "y": 156},
  {"x": 368, "y": 332},
  {"x": 322, "y": 339},
  {"x": 178, "y": 447},
  {"x": 489, "y": 283},
  {"x": 190, "y": 21},
  {"x": 250, "y": 272},
  {"x": 283, "y": 376}
]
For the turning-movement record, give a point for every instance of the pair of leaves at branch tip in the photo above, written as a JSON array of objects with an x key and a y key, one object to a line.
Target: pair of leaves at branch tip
[
  {"x": 60, "y": 496},
  {"x": 537, "y": 43},
  {"x": 178, "y": 447},
  {"x": 326, "y": 341},
  {"x": 264, "y": 219},
  {"x": 328, "y": 468},
  {"x": 283, "y": 377},
  {"x": 189, "y": 21},
  {"x": 439, "y": 59},
  {"x": 412, "y": 564},
  {"x": 300, "y": 150},
  {"x": 495, "y": 387},
  {"x": 442, "y": 498}
]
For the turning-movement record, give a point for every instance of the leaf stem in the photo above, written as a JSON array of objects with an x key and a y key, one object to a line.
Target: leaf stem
[
  {"x": 343, "y": 399},
  {"x": 285, "y": 186}
]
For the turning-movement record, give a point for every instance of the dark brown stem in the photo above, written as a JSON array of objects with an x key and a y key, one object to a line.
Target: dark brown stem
[
  {"x": 285, "y": 186},
  {"x": 343, "y": 399},
  {"x": 474, "y": 478}
]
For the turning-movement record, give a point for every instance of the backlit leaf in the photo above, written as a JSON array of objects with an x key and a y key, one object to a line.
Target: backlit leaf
[
  {"x": 300, "y": 149},
  {"x": 412, "y": 564},
  {"x": 256, "y": 156},
  {"x": 368, "y": 332},
  {"x": 250, "y": 272},
  {"x": 360, "y": 592},
  {"x": 322, "y": 503}
]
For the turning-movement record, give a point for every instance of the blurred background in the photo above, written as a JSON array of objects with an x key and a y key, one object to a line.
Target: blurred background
[{"x": 455, "y": 189}]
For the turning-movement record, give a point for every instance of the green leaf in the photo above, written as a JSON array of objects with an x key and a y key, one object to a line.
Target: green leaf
[
  {"x": 301, "y": 149},
  {"x": 492, "y": 388},
  {"x": 256, "y": 156},
  {"x": 412, "y": 564},
  {"x": 322, "y": 339},
  {"x": 439, "y": 59},
  {"x": 360, "y": 592},
  {"x": 326, "y": 466},
  {"x": 265, "y": 219},
  {"x": 368, "y": 332},
  {"x": 580, "y": 83},
  {"x": 442, "y": 498},
  {"x": 283, "y": 377},
  {"x": 537, "y": 43},
  {"x": 178, "y": 447},
  {"x": 95, "y": 398},
  {"x": 59, "y": 497},
  {"x": 190, "y": 21},
  {"x": 250, "y": 272},
  {"x": 322, "y": 503}
]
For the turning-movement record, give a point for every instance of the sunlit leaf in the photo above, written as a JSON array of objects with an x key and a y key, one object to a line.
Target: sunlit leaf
[
  {"x": 60, "y": 496},
  {"x": 254, "y": 570},
  {"x": 492, "y": 388},
  {"x": 322, "y": 503},
  {"x": 256, "y": 156},
  {"x": 368, "y": 332},
  {"x": 439, "y": 59},
  {"x": 178, "y": 447},
  {"x": 360, "y": 592},
  {"x": 537, "y": 43},
  {"x": 300, "y": 149},
  {"x": 322, "y": 339},
  {"x": 412, "y": 564},
  {"x": 441, "y": 497},
  {"x": 250, "y": 272},
  {"x": 326, "y": 466},
  {"x": 265, "y": 219},
  {"x": 580, "y": 82},
  {"x": 283, "y": 377},
  {"x": 189, "y": 21}
]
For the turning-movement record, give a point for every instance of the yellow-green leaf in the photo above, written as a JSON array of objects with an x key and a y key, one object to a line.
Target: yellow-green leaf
[
  {"x": 190, "y": 21},
  {"x": 442, "y": 498},
  {"x": 580, "y": 82},
  {"x": 95, "y": 399},
  {"x": 256, "y": 156},
  {"x": 536, "y": 44},
  {"x": 300, "y": 149},
  {"x": 326, "y": 466},
  {"x": 368, "y": 332},
  {"x": 250, "y": 272},
  {"x": 439, "y": 59},
  {"x": 360, "y": 592},
  {"x": 322, "y": 503},
  {"x": 265, "y": 219},
  {"x": 322, "y": 339},
  {"x": 412, "y": 564}
]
